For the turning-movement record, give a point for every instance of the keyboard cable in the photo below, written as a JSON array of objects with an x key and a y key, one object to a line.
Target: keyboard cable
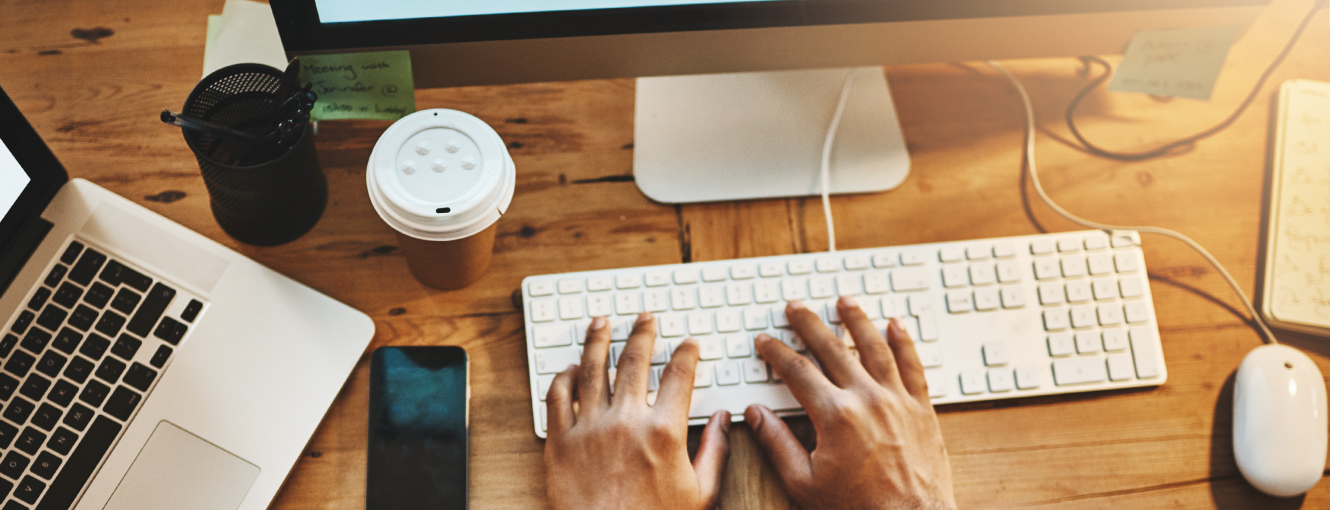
[
  {"x": 826, "y": 157},
  {"x": 1030, "y": 128}
]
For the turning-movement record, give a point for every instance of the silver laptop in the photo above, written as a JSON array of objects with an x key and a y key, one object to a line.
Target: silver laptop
[{"x": 143, "y": 366}]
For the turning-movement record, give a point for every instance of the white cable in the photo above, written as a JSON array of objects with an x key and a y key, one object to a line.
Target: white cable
[
  {"x": 826, "y": 158},
  {"x": 1262, "y": 329}
]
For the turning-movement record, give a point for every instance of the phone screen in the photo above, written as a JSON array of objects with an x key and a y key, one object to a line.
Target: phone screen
[{"x": 417, "y": 429}]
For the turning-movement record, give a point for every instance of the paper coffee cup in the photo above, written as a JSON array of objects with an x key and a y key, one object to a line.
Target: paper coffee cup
[{"x": 442, "y": 179}]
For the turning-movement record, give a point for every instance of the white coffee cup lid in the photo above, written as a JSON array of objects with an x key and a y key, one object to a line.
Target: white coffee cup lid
[{"x": 440, "y": 175}]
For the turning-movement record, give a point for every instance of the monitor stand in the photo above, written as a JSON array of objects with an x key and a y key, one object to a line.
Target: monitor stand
[{"x": 738, "y": 136}]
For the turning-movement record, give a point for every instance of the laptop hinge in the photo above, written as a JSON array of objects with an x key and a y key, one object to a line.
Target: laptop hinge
[{"x": 29, "y": 236}]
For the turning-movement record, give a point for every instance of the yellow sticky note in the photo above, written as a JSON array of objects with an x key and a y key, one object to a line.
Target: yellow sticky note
[
  {"x": 1181, "y": 62},
  {"x": 369, "y": 85}
]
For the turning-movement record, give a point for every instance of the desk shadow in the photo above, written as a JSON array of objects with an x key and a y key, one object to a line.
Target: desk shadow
[{"x": 1228, "y": 489}]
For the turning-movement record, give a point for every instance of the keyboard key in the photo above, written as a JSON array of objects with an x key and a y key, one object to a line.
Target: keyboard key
[
  {"x": 71, "y": 253},
  {"x": 51, "y": 363},
  {"x": 34, "y": 387},
  {"x": 628, "y": 281},
  {"x": 191, "y": 310},
  {"x": 973, "y": 382},
  {"x": 7, "y": 345},
  {"x": 52, "y": 317},
  {"x": 570, "y": 307},
  {"x": 30, "y": 441},
  {"x": 755, "y": 371},
  {"x": 78, "y": 417},
  {"x": 1136, "y": 312},
  {"x": 995, "y": 354},
  {"x": 95, "y": 346},
  {"x": 8, "y": 385},
  {"x": 98, "y": 295},
  {"x": 937, "y": 383},
  {"x": 22, "y": 322},
  {"x": 125, "y": 346},
  {"x": 1069, "y": 245},
  {"x": 6, "y": 487},
  {"x": 62, "y": 440},
  {"x": 930, "y": 355},
  {"x": 18, "y": 410},
  {"x": 711, "y": 296},
  {"x": 1000, "y": 381},
  {"x": 913, "y": 258},
  {"x": 625, "y": 303},
  {"x": 116, "y": 273},
  {"x": 711, "y": 347},
  {"x": 1083, "y": 316},
  {"x": 19, "y": 363},
  {"x": 110, "y": 370},
  {"x": 551, "y": 335},
  {"x": 702, "y": 376},
  {"x": 1055, "y": 319},
  {"x": 986, "y": 299},
  {"x": 1013, "y": 297},
  {"x": 164, "y": 353},
  {"x": 727, "y": 373},
  {"x": 977, "y": 252},
  {"x": 62, "y": 392},
  {"x": 14, "y": 464},
  {"x": 57, "y": 273},
  {"x": 79, "y": 369},
  {"x": 122, "y": 403},
  {"x": 1126, "y": 262},
  {"x": 110, "y": 323},
  {"x": 7, "y": 434},
  {"x": 46, "y": 465},
  {"x": 39, "y": 298},
  {"x": 959, "y": 301},
  {"x": 1142, "y": 350},
  {"x": 152, "y": 308},
  {"x": 905, "y": 280},
  {"x": 793, "y": 289},
  {"x": 80, "y": 464},
  {"x": 982, "y": 274},
  {"x": 1078, "y": 292},
  {"x": 1131, "y": 287},
  {"x": 67, "y": 340},
  {"x": 1079, "y": 370},
  {"x": 1115, "y": 339},
  {"x": 140, "y": 377},
  {"x": 1100, "y": 264},
  {"x": 738, "y": 346},
  {"x": 1028, "y": 377},
  {"x": 67, "y": 295},
  {"x": 555, "y": 361},
  {"x": 1120, "y": 367},
  {"x": 827, "y": 265},
  {"x": 94, "y": 393},
  {"x": 1109, "y": 314},
  {"x": 35, "y": 341},
  {"x": 540, "y": 288},
  {"x": 125, "y": 300},
  {"x": 83, "y": 317},
  {"x": 87, "y": 266},
  {"x": 1087, "y": 342},
  {"x": 1061, "y": 344}
]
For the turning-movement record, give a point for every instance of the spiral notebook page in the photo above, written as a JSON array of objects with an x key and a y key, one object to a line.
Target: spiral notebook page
[{"x": 1298, "y": 261}]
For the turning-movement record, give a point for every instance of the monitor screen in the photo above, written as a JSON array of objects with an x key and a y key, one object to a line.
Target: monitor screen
[
  {"x": 343, "y": 11},
  {"x": 13, "y": 180}
]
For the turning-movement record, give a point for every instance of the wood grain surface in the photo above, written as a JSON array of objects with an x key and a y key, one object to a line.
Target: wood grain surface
[{"x": 92, "y": 75}]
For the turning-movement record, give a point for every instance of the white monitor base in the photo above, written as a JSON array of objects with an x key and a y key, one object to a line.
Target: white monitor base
[{"x": 741, "y": 136}]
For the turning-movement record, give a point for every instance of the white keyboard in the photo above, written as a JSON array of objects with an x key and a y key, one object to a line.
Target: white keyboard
[{"x": 992, "y": 318}]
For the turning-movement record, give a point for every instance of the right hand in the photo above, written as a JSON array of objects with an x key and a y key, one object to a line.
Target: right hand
[{"x": 878, "y": 440}]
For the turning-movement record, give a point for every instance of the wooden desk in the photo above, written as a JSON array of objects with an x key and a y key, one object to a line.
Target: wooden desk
[{"x": 95, "y": 101}]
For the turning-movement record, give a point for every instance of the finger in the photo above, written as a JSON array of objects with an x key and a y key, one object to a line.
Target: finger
[
  {"x": 874, "y": 354},
  {"x": 836, "y": 360},
  {"x": 630, "y": 383},
  {"x": 559, "y": 416},
  {"x": 803, "y": 378},
  {"x": 593, "y": 392},
  {"x": 676, "y": 382},
  {"x": 907, "y": 360},
  {"x": 712, "y": 452},
  {"x": 789, "y": 458}
]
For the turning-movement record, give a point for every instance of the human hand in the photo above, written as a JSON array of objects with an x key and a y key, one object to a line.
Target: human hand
[
  {"x": 878, "y": 440},
  {"x": 619, "y": 452}
]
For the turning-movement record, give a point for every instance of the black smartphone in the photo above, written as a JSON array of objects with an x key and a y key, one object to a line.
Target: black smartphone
[{"x": 418, "y": 429}]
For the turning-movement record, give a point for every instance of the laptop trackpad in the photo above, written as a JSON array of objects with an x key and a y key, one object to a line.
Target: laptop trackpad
[{"x": 177, "y": 470}]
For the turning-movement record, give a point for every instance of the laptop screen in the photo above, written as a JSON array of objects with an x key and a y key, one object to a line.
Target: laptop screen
[
  {"x": 13, "y": 180},
  {"x": 340, "y": 11}
]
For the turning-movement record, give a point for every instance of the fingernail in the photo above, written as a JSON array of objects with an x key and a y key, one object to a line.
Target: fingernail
[
  {"x": 757, "y": 423},
  {"x": 894, "y": 324},
  {"x": 598, "y": 322},
  {"x": 724, "y": 417},
  {"x": 572, "y": 366},
  {"x": 762, "y": 338},
  {"x": 797, "y": 305},
  {"x": 848, "y": 301},
  {"x": 643, "y": 317}
]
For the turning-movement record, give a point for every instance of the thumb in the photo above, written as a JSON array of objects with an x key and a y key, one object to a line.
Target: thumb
[
  {"x": 787, "y": 455},
  {"x": 712, "y": 452}
]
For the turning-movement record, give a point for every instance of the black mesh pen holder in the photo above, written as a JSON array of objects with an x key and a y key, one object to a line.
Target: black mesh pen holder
[{"x": 262, "y": 202}]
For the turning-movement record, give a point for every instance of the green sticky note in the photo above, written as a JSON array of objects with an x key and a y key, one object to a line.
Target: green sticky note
[
  {"x": 371, "y": 85},
  {"x": 1181, "y": 62}
]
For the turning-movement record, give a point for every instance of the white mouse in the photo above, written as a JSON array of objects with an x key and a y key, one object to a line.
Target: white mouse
[{"x": 1279, "y": 420}]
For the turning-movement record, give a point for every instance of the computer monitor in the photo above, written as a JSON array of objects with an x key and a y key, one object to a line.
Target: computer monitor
[{"x": 704, "y": 131}]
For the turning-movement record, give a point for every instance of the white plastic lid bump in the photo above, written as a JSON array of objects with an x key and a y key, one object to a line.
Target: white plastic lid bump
[{"x": 440, "y": 175}]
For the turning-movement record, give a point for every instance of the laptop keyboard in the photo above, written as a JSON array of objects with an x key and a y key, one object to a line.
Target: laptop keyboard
[{"x": 77, "y": 362}]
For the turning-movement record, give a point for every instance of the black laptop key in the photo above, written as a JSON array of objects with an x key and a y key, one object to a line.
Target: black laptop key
[
  {"x": 125, "y": 300},
  {"x": 35, "y": 387},
  {"x": 170, "y": 330},
  {"x": 72, "y": 252},
  {"x": 87, "y": 266},
  {"x": 62, "y": 440},
  {"x": 52, "y": 317},
  {"x": 22, "y": 322},
  {"x": 39, "y": 298},
  {"x": 98, "y": 295},
  {"x": 46, "y": 416},
  {"x": 7, "y": 345},
  {"x": 18, "y": 410},
  {"x": 35, "y": 341},
  {"x": 13, "y": 465},
  {"x": 6, "y": 487},
  {"x": 80, "y": 465},
  {"x": 29, "y": 489},
  {"x": 83, "y": 317},
  {"x": 116, "y": 273},
  {"x": 140, "y": 376},
  {"x": 110, "y": 369},
  {"x": 68, "y": 295},
  {"x": 7, "y": 434},
  {"x": 95, "y": 346},
  {"x": 51, "y": 363},
  {"x": 78, "y": 416},
  {"x": 30, "y": 441},
  {"x": 57, "y": 274},
  {"x": 126, "y": 346},
  {"x": 159, "y": 358},
  {"x": 122, "y": 403},
  {"x": 8, "y": 385},
  {"x": 79, "y": 369},
  {"x": 94, "y": 393},
  {"x": 46, "y": 465},
  {"x": 191, "y": 310},
  {"x": 67, "y": 340},
  {"x": 152, "y": 308},
  {"x": 62, "y": 392},
  {"x": 110, "y": 323},
  {"x": 19, "y": 363}
]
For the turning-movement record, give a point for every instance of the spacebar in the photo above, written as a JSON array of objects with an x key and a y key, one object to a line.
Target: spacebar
[{"x": 78, "y": 469}]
